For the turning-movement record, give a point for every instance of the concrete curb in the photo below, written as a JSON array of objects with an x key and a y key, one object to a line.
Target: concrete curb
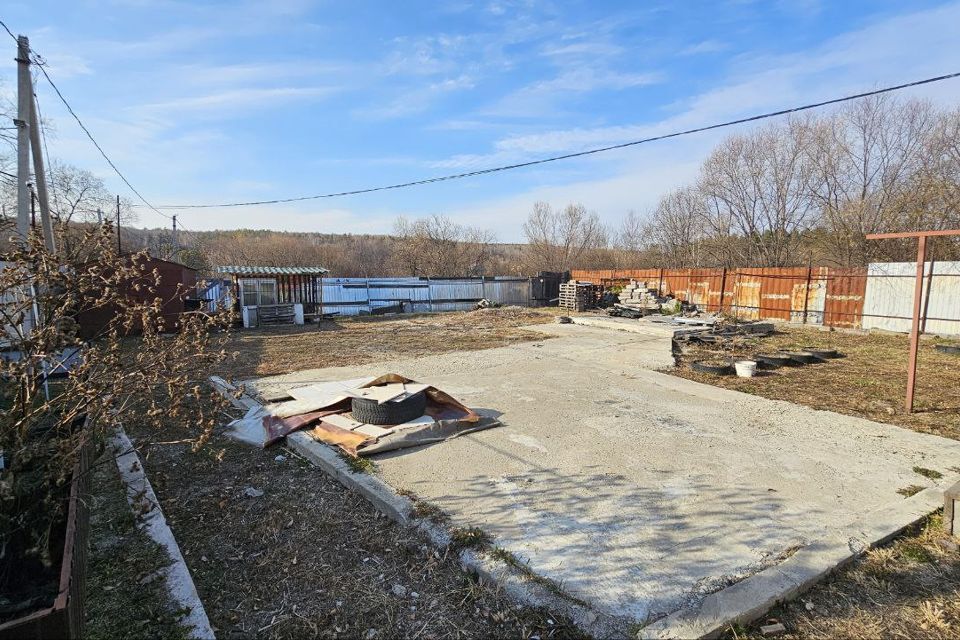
[
  {"x": 399, "y": 508},
  {"x": 751, "y": 598},
  {"x": 146, "y": 508}
]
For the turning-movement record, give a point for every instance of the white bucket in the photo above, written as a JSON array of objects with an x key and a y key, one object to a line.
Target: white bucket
[{"x": 745, "y": 368}]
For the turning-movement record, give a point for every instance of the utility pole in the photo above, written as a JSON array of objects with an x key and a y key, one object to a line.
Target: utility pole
[
  {"x": 33, "y": 207},
  {"x": 39, "y": 174},
  {"x": 119, "y": 248},
  {"x": 24, "y": 91},
  {"x": 176, "y": 246}
]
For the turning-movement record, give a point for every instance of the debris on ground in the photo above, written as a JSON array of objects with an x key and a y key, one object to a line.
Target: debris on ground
[{"x": 361, "y": 417}]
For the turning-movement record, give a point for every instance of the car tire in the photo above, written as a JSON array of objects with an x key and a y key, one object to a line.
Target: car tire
[
  {"x": 822, "y": 352},
  {"x": 390, "y": 412},
  {"x": 772, "y": 360},
  {"x": 703, "y": 366}
]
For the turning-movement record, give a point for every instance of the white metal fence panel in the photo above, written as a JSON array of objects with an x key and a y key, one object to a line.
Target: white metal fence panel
[
  {"x": 354, "y": 296},
  {"x": 888, "y": 302}
]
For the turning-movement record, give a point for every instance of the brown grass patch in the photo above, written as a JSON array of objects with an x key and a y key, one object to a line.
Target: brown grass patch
[
  {"x": 869, "y": 382},
  {"x": 351, "y": 341},
  {"x": 909, "y": 589}
]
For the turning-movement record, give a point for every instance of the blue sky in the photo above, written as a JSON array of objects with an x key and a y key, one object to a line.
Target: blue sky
[{"x": 202, "y": 102}]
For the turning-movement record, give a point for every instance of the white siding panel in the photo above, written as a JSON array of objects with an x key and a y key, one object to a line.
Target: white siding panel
[{"x": 890, "y": 293}]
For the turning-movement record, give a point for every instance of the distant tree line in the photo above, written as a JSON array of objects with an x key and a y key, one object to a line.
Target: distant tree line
[{"x": 802, "y": 190}]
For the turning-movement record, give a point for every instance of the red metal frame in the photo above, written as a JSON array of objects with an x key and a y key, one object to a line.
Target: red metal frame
[{"x": 921, "y": 237}]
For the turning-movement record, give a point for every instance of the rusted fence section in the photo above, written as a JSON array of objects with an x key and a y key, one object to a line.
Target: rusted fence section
[
  {"x": 65, "y": 618},
  {"x": 813, "y": 295}
]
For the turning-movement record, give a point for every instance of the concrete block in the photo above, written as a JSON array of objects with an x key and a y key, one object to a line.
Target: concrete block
[
  {"x": 951, "y": 509},
  {"x": 771, "y": 630}
]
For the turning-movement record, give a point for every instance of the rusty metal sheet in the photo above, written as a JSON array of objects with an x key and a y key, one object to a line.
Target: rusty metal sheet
[{"x": 843, "y": 306}]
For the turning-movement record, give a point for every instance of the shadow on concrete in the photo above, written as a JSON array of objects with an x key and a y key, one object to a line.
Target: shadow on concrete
[{"x": 629, "y": 549}]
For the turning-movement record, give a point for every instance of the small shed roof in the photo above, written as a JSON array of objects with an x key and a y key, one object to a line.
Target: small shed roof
[{"x": 272, "y": 271}]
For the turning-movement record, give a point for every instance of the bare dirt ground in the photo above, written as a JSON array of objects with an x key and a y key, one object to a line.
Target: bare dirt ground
[
  {"x": 306, "y": 557},
  {"x": 869, "y": 381},
  {"x": 348, "y": 341}
]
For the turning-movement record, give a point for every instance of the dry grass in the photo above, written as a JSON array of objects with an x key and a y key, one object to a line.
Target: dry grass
[
  {"x": 909, "y": 589},
  {"x": 125, "y": 595},
  {"x": 351, "y": 341},
  {"x": 869, "y": 381},
  {"x": 309, "y": 558}
]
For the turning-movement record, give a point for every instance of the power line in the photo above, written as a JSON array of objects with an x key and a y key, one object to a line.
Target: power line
[
  {"x": 56, "y": 89},
  {"x": 578, "y": 154},
  {"x": 41, "y": 64}
]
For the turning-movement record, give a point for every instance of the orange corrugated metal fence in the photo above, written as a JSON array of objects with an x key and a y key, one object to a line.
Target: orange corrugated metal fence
[{"x": 816, "y": 295}]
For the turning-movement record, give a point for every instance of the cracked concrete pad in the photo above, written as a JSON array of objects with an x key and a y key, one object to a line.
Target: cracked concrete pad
[{"x": 642, "y": 493}]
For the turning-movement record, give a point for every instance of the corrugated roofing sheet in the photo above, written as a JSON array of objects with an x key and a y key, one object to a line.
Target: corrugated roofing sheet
[{"x": 273, "y": 271}]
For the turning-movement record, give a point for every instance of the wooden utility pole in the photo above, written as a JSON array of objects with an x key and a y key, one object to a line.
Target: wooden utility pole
[
  {"x": 921, "y": 237},
  {"x": 24, "y": 91}
]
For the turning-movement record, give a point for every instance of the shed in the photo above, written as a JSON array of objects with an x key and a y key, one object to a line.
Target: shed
[
  {"x": 267, "y": 288},
  {"x": 176, "y": 287}
]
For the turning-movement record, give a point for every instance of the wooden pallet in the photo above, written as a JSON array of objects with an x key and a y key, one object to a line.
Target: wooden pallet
[{"x": 275, "y": 314}]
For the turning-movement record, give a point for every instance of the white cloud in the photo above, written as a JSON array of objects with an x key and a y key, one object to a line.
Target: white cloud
[
  {"x": 705, "y": 46},
  {"x": 235, "y": 100}
]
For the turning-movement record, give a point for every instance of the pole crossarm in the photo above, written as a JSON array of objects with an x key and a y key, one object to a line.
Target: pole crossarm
[{"x": 913, "y": 234}]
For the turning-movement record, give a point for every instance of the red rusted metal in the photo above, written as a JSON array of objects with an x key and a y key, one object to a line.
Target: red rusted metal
[{"x": 915, "y": 326}]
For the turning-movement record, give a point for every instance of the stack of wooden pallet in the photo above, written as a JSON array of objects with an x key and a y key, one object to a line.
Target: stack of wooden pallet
[
  {"x": 576, "y": 296},
  {"x": 639, "y": 295}
]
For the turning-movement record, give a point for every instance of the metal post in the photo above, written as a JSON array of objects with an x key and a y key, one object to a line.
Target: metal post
[
  {"x": 24, "y": 91},
  {"x": 33, "y": 208},
  {"x": 723, "y": 288},
  {"x": 806, "y": 292},
  {"x": 915, "y": 328}
]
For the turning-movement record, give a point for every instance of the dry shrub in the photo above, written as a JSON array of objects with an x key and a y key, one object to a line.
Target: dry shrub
[{"x": 137, "y": 369}]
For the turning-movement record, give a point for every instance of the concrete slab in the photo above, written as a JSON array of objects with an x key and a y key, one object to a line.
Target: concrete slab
[{"x": 642, "y": 493}]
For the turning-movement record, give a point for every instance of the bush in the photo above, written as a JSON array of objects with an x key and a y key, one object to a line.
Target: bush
[{"x": 137, "y": 369}]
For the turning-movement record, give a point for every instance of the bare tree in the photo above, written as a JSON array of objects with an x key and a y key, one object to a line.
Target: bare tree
[
  {"x": 438, "y": 246},
  {"x": 760, "y": 184},
  {"x": 867, "y": 158},
  {"x": 676, "y": 228},
  {"x": 558, "y": 240}
]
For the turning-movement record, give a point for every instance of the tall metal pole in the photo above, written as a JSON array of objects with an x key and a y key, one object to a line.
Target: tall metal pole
[
  {"x": 24, "y": 89},
  {"x": 40, "y": 176},
  {"x": 915, "y": 327}
]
